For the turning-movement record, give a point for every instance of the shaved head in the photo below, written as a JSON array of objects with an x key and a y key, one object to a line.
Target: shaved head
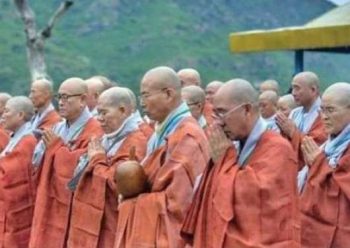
[
  {"x": 308, "y": 78},
  {"x": 340, "y": 92},
  {"x": 194, "y": 96},
  {"x": 114, "y": 106},
  {"x": 75, "y": 85},
  {"x": 269, "y": 95},
  {"x": 335, "y": 108},
  {"x": 163, "y": 77},
  {"x": 117, "y": 96},
  {"x": 95, "y": 85},
  {"x": 41, "y": 93},
  {"x": 21, "y": 104},
  {"x": 160, "y": 92},
  {"x": 287, "y": 99},
  {"x": 189, "y": 76},
  {"x": 236, "y": 108},
  {"x": 211, "y": 89},
  {"x": 269, "y": 84},
  {"x": 106, "y": 81},
  {"x": 239, "y": 91}
]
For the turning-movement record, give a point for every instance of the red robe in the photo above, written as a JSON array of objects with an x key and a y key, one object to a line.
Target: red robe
[
  {"x": 53, "y": 202},
  {"x": 154, "y": 219},
  {"x": 255, "y": 206},
  {"x": 16, "y": 194},
  {"x": 4, "y": 138},
  {"x": 50, "y": 120},
  {"x": 95, "y": 204},
  {"x": 325, "y": 204},
  {"x": 317, "y": 132},
  {"x": 208, "y": 112}
]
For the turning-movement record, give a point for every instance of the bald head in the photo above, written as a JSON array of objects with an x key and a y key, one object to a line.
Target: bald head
[
  {"x": 268, "y": 103},
  {"x": 4, "y": 97},
  {"x": 106, "y": 81},
  {"x": 75, "y": 85},
  {"x": 41, "y": 93},
  {"x": 162, "y": 77},
  {"x": 340, "y": 92},
  {"x": 189, "y": 76},
  {"x": 211, "y": 89},
  {"x": 95, "y": 88},
  {"x": 118, "y": 96},
  {"x": 269, "y": 84},
  {"x": 305, "y": 89},
  {"x": 236, "y": 105},
  {"x": 18, "y": 109},
  {"x": 335, "y": 108},
  {"x": 194, "y": 96},
  {"x": 238, "y": 91}
]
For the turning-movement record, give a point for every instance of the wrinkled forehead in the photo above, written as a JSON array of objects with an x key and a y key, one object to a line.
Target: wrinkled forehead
[{"x": 223, "y": 100}]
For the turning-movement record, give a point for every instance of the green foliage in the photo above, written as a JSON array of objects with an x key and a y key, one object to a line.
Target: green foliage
[{"x": 123, "y": 39}]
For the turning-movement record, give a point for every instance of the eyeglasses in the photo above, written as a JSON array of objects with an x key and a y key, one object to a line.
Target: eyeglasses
[
  {"x": 192, "y": 103},
  {"x": 65, "y": 97},
  {"x": 145, "y": 95},
  {"x": 223, "y": 115}
]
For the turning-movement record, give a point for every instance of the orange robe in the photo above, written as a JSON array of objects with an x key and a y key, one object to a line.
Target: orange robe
[
  {"x": 154, "y": 219},
  {"x": 53, "y": 202},
  {"x": 95, "y": 204},
  {"x": 16, "y": 194},
  {"x": 208, "y": 112},
  {"x": 4, "y": 138},
  {"x": 325, "y": 204},
  {"x": 317, "y": 132},
  {"x": 253, "y": 206},
  {"x": 49, "y": 120}
]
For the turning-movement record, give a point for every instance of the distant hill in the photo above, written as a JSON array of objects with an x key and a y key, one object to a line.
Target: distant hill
[{"x": 122, "y": 39}]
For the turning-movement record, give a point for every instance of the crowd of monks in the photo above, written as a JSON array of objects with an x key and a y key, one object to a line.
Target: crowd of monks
[{"x": 225, "y": 166}]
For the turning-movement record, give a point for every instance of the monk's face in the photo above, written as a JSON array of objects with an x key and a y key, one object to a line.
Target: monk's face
[
  {"x": 196, "y": 108},
  {"x": 12, "y": 119},
  {"x": 334, "y": 115},
  {"x": 267, "y": 108},
  {"x": 210, "y": 92},
  {"x": 71, "y": 101},
  {"x": 111, "y": 117},
  {"x": 39, "y": 95},
  {"x": 302, "y": 92},
  {"x": 232, "y": 117},
  {"x": 282, "y": 106},
  {"x": 154, "y": 99}
]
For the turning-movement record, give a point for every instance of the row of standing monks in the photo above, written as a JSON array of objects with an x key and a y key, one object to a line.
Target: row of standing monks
[{"x": 105, "y": 177}]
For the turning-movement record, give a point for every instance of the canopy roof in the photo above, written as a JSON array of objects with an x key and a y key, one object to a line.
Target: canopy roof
[{"x": 329, "y": 32}]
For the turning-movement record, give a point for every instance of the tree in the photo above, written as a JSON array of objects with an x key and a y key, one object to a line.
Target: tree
[{"x": 35, "y": 40}]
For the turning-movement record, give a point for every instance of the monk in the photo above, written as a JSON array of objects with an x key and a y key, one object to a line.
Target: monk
[
  {"x": 94, "y": 212},
  {"x": 268, "y": 108},
  {"x": 194, "y": 96},
  {"x": 269, "y": 84},
  {"x": 57, "y": 156},
  {"x": 211, "y": 89},
  {"x": 246, "y": 198},
  {"x": 286, "y": 104},
  {"x": 41, "y": 94},
  {"x": 4, "y": 134},
  {"x": 189, "y": 76},
  {"x": 325, "y": 201},
  {"x": 176, "y": 155},
  {"x": 95, "y": 88},
  {"x": 16, "y": 185},
  {"x": 304, "y": 120}
]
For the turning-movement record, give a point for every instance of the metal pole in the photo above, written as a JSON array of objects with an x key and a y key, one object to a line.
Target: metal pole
[{"x": 298, "y": 61}]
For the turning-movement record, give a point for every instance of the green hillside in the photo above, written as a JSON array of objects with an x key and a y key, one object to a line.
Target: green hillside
[{"x": 122, "y": 39}]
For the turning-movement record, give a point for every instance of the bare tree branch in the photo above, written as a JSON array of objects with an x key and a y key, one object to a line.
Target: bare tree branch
[
  {"x": 28, "y": 18},
  {"x": 65, "y": 5}
]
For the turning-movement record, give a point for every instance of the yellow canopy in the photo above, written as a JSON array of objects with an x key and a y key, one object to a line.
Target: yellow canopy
[{"x": 331, "y": 30}]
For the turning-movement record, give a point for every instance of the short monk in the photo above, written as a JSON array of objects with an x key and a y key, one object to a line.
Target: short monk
[
  {"x": 304, "y": 120},
  {"x": 57, "y": 156},
  {"x": 325, "y": 219},
  {"x": 95, "y": 203},
  {"x": 16, "y": 184},
  {"x": 41, "y": 94},
  {"x": 177, "y": 154},
  {"x": 246, "y": 198}
]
